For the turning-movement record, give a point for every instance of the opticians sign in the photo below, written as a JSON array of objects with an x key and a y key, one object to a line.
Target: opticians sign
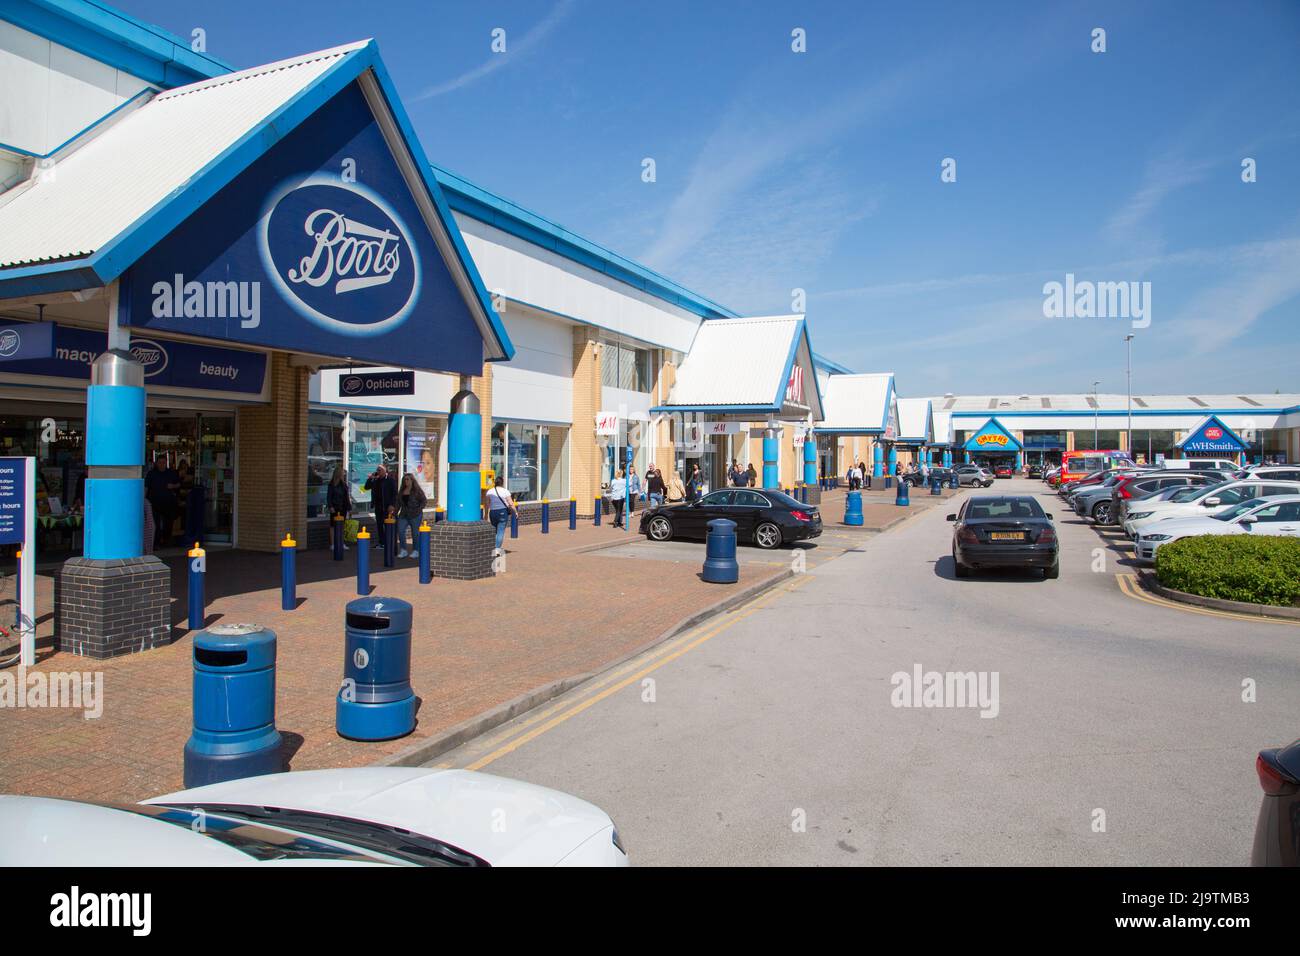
[
  {"x": 318, "y": 247},
  {"x": 357, "y": 384}
]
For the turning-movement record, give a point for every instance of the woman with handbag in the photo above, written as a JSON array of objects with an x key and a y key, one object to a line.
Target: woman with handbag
[
  {"x": 337, "y": 498},
  {"x": 410, "y": 511},
  {"x": 500, "y": 506}
]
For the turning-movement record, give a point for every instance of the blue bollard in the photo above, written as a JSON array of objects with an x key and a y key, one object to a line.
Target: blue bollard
[
  {"x": 390, "y": 541},
  {"x": 900, "y": 497},
  {"x": 599, "y": 503},
  {"x": 234, "y": 733},
  {"x": 439, "y": 514},
  {"x": 889, "y": 482},
  {"x": 720, "y": 564},
  {"x": 426, "y": 572},
  {"x": 936, "y": 485},
  {"x": 853, "y": 509},
  {"x": 198, "y": 568},
  {"x": 18, "y": 592},
  {"x": 288, "y": 574},
  {"x": 336, "y": 537},
  {"x": 546, "y": 516},
  {"x": 573, "y": 514},
  {"x": 514, "y": 525},
  {"x": 363, "y": 561},
  {"x": 375, "y": 701}
]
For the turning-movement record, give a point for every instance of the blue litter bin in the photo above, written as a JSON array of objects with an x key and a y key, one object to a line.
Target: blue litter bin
[
  {"x": 952, "y": 480},
  {"x": 720, "y": 564},
  {"x": 936, "y": 485},
  {"x": 853, "y": 509},
  {"x": 234, "y": 731},
  {"x": 900, "y": 496},
  {"x": 376, "y": 701}
]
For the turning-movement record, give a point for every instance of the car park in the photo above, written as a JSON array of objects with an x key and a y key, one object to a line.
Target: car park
[
  {"x": 1278, "y": 516},
  {"x": 1200, "y": 464},
  {"x": 1207, "y": 501},
  {"x": 764, "y": 517},
  {"x": 997, "y": 531},
  {"x": 1276, "y": 472},
  {"x": 973, "y": 476},
  {"x": 1003, "y": 470},
  {"x": 1277, "y": 829},
  {"x": 1095, "y": 501},
  {"x": 1138, "y": 487},
  {"x": 366, "y": 816}
]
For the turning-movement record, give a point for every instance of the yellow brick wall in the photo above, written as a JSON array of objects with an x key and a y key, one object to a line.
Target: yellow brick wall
[
  {"x": 272, "y": 452},
  {"x": 584, "y": 454}
]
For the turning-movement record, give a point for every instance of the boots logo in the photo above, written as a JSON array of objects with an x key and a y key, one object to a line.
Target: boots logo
[
  {"x": 341, "y": 256},
  {"x": 149, "y": 354},
  {"x": 10, "y": 342}
]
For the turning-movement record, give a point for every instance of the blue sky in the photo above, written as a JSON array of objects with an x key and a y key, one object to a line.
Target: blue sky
[{"x": 821, "y": 170}]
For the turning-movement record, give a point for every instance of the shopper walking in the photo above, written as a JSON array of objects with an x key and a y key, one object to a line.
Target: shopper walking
[
  {"x": 676, "y": 490},
  {"x": 751, "y": 476},
  {"x": 500, "y": 507},
  {"x": 655, "y": 489},
  {"x": 161, "y": 485},
  {"x": 693, "y": 484},
  {"x": 633, "y": 490},
  {"x": 737, "y": 475},
  {"x": 411, "y": 500},
  {"x": 617, "y": 495},
  {"x": 383, "y": 500},
  {"x": 866, "y": 475},
  {"x": 338, "y": 499}
]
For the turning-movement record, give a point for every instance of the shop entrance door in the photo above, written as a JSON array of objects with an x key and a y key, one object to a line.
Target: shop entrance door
[{"x": 201, "y": 447}]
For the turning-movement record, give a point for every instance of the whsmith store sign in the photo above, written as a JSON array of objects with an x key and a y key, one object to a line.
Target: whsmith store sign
[{"x": 336, "y": 259}]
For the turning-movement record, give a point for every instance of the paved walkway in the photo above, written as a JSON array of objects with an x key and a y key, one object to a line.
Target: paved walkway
[{"x": 555, "y": 613}]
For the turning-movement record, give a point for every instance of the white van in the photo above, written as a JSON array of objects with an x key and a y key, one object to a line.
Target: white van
[{"x": 1199, "y": 464}]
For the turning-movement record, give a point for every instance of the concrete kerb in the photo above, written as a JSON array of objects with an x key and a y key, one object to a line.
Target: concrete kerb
[
  {"x": 1148, "y": 580},
  {"x": 428, "y": 748}
]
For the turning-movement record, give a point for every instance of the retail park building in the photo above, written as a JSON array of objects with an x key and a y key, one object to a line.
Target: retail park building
[{"x": 154, "y": 200}]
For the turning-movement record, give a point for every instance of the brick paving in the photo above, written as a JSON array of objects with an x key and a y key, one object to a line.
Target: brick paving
[{"x": 476, "y": 644}]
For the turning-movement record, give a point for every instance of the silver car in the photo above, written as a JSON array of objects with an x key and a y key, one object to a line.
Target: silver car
[{"x": 974, "y": 476}]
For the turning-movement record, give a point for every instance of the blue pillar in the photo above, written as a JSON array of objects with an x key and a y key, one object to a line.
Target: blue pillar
[
  {"x": 809, "y": 459},
  {"x": 1019, "y": 461},
  {"x": 893, "y": 458},
  {"x": 877, "y": 468},
  {"x": 771, "y": 472},
  {"x": 114, "y": 458},
  {"x": 464, "y": 451}
]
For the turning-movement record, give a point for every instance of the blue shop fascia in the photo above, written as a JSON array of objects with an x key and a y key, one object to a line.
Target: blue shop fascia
[{"x": 171, "y": 277}]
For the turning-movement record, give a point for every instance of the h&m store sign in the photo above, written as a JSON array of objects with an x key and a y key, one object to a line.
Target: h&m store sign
[{"x": 318, "y": 246}]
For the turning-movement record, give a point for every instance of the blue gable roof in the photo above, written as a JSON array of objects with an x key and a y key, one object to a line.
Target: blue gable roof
[
  {"x": 993, "y": 437},
  {"x": 1212, "y": 437}
]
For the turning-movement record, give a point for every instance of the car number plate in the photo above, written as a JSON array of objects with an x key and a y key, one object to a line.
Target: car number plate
[{"x": 1006, "y": 536}]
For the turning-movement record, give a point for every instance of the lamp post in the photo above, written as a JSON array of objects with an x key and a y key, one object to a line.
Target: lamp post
[
  {"x": 1128, "y": 341},
  {"x": 1094, "y": 415}
]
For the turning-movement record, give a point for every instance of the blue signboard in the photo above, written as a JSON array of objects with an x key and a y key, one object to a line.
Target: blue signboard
[
  {"x": 377, "y": 383},
  {"x": 13, "y": 494},
  {"x": 167, "y": 364},
  {"x": 27, "y": 340},
  {"x": 993, "y": 437},
  {"x": 1212, "y": 437},
  {"x": 317, "y": 247}
]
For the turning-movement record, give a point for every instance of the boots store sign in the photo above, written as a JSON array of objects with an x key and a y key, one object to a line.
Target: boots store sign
[{"x": 318, "y": 247}]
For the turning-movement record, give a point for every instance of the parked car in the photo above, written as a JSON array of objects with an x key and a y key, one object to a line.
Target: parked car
[
  {"x": 1278, "y": 516},
  {"x": 994, "y": 531},
  {"x": 1094, "y": 501},
  {"x": 1276, "y": 472},
  {"x": 1035, "y": 471},
  {"x": 1003, "y": 470},
  {"x": 973, "y": 475},
  {"x": 1129, "y": 491},
  {"x": 1052, "y": 475},
  {"x": 767, "y": 518},
  {"x": 1200, "y": 464},
  {"x": 367, "y": 816},
  {"x": 1207, "y": 501},
  {"x": 1277, "y": 830}
]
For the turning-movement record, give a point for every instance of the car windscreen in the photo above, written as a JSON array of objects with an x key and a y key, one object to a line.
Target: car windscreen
[
  {"x": 1236, "y": 511},
  {"x": 781, "y": 498},
  {"x": 1185, "y": 494},
  {"x": 1011, "y": 508}
]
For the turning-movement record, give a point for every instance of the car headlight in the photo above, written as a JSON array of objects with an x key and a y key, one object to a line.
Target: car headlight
[
  {"x": 1156, "y": 537},
  {"x": 1139, "y": 515}
]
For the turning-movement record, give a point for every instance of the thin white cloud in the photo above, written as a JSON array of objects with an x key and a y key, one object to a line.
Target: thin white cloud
[{"x": 515, "y": 50}]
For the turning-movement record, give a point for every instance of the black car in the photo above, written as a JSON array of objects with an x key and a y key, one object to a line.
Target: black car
[
  {"x": 1004, "y": 531},
  {"x": 1035, "y": 471},
  {"x": 1277, "y": 832},
  {"x": 767, "y": 518}
]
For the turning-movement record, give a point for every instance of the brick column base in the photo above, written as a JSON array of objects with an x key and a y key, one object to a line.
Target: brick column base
[
  {"x": 462, "y": 549},
  {"x": 106, "y": 608},
  {"x": 814, "y": 494}
]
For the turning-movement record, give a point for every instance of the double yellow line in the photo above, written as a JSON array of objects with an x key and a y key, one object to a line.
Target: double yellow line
[
  {"x": 1128, "y": 583},
  {"x": 551, "y": 717}
]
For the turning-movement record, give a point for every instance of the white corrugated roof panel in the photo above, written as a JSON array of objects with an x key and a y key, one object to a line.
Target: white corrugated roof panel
[
  {"x": 102, "y": 186},
  {"x": 942, "y": 427},
  {"x": 736, "y": 362},
  {"x": 1082, "y": 402},
  {"x": 855, "y": 402},
  {"x": 912, "y": 418}
]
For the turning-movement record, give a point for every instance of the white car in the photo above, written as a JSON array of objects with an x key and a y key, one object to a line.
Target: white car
[
  {"x": 1200, "y": 464},
  {"x": 1267, "y": 516},
  {"x": 368, "y": 816},
  {"x": 1202, "y": 501}
]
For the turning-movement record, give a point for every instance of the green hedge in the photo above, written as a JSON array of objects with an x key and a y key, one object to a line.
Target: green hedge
[{"x": 1233, "y": 567}]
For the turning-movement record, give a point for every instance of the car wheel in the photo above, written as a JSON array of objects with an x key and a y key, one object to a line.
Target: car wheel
[
  {"x": 958, "y": 568},
  {"x": 988, "y": 484},
  {"x": 767, "y": 536},
  {"x": 660, "y": 529},
  {"x": 1054, "y": 572},
  {"x": 1101, "y": 512}
]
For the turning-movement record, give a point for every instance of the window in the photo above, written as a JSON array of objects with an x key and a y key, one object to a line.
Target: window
[
  {"x": 423, "y": 436},
  {"x": 751, "y": 499},
  {"x": 324, "y": 455},
  {"x": 373, "y": 442},
  {"x": 716, "y": 499},
  {"x": 626, "y": 366},
  {"x": 532, "y": 459}
]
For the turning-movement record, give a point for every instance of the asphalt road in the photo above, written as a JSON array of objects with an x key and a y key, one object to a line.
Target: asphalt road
[{"x": 781, "y": 712}]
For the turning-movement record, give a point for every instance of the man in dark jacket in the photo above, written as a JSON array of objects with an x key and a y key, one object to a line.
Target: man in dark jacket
[{"x": 383, "y": 500}]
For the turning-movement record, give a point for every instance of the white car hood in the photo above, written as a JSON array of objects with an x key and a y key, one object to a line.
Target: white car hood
[
  {"x": 1185, "y": 526},
  {"x": 506, "y": 822}
]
